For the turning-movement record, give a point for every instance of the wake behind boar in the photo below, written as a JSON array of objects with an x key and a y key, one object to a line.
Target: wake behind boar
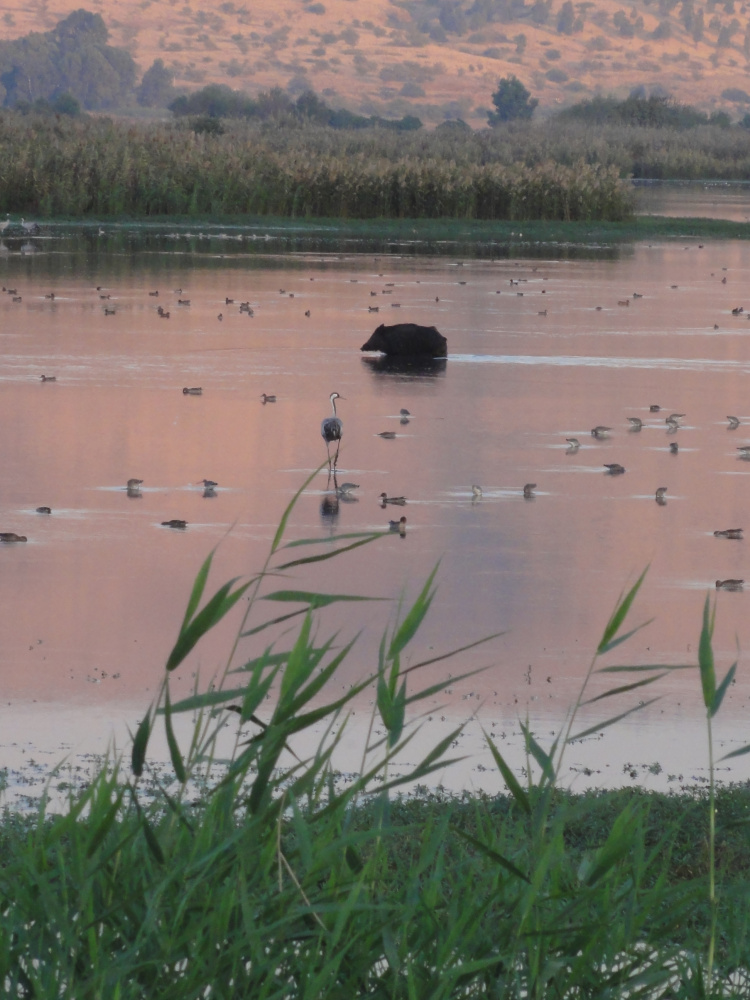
[{"x": 407, "y": 340}]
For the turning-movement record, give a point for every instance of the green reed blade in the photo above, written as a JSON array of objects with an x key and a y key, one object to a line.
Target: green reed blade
[
  {"x": 414, "y": 618},
  {"x": 174, "y": 750},
  {"x": 267, "y": 659},
  {"x": 610, "y": 722},
  {"x": 315, "y": 600},
  {"x": 492, "y": 854},
  {"x": 622, "y": 638},
  {"x": 290, "y": 507},
  {"x": 152, "y": 841},
  {"x": 300, "y": 662},
  {"x": 105, "y": 825},
  {"x": 619, "y": 844},
  {"x": 331, "y": 555},
  {"x": 198, "y": 587},
  {"x": 625, "y": 687},
  {"x": 440, "y": 685},
  {"x": 269, "y": 623},
  {"x": 140, "y": 742},
  {"x": 317, "y": 683},
  {"x": 627, "y": 669},
  {"x": 394, "y": 723},
  {"x": 452, "y": 652},
  {"x": 620, "y": 612},
  {"x": 514, "y": 787},
  {"x": 208, "y": 699},
  {"x": 706, "y": 656},
  {"x": 543, "y": 759},
  {"x": 220, "y": 604},
  {"x": 331, "y": 539},
  {"x": 722, "y": 690}
]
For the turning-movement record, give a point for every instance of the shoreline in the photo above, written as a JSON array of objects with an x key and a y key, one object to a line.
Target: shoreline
[
  {"x": 516, "y": 235},
  {"x": 635, "y": 753}
]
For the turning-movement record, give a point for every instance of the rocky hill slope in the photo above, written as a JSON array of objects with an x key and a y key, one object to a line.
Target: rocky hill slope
[{"x": 433, "y": 58}]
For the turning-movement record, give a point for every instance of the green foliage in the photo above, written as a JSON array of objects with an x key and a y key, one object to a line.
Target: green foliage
[
  {"x": 207, "y": 125},
  {"x": 654, "y": 111},
  {"x": 220, "y": 101},
  {"x": 512, "y": 102},
  {"x": 97, "y": 167},
  {"x": 156, "y": 89},
  {"x": 73, "y": 58},
  {"x": 66, "y": 104}
]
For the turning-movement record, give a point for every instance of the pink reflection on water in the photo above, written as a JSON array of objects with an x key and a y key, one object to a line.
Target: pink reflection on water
[{"x": 93, "y": 600}]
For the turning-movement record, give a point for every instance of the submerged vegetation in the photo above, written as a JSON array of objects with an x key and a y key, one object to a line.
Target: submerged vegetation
[{"x": 253, "y": 871}]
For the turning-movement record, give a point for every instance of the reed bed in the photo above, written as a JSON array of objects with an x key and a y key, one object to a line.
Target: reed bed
[
  {"x": 100, "y": 168},
  {"x": 553, "y": 170},
  {"x": 257, "y": 872}
]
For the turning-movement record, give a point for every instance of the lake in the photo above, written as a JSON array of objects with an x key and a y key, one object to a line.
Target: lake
[
  {"x": 543, "y": 345},
  {"x": 694, "y": 199}
]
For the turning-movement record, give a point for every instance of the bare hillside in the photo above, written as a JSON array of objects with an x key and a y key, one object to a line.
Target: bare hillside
[{"x": 432, "y": 58}]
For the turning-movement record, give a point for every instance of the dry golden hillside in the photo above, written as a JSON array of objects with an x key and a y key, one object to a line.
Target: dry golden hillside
[{"x": 432, "y": 58}]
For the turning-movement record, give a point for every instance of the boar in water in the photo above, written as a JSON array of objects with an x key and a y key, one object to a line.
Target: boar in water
[{"x": 405, "y": 340}]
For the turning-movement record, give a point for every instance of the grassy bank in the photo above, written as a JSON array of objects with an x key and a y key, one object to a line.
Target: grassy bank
[
  {"x": 250, "y": 872},
  {"x": 405, "y": 237}
]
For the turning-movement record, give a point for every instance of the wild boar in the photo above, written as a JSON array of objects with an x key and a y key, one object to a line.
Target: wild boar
[{"x": 407, "y": 340}]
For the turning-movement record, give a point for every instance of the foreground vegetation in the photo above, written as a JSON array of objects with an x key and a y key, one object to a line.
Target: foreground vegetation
[{"x": 254, "y": 872}]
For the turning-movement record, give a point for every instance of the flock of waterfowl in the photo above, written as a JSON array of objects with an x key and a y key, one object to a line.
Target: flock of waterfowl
[{"x": 601, "y": 432}]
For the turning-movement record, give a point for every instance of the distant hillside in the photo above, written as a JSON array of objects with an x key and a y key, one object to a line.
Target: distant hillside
[{"x": 432, "y": 58}]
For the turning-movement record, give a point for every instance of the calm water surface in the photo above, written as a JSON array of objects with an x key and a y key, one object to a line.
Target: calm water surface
[
  {"x": 539, "y": 350},
  {"x": 728, "y": 200}
]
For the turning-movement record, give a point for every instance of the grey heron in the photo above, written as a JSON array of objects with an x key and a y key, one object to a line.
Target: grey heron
[{"x": 331, "y": 428}]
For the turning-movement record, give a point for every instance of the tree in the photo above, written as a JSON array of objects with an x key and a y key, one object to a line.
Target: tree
[
  {"x": 66, "y": 104},
  {"x": 156, "y": 89},
  {"x": 512, "y": 101},
  {"x": 74, "y": 57},
  {"x": 697, "y": 31},
  {"x": 566, "y": 19}
]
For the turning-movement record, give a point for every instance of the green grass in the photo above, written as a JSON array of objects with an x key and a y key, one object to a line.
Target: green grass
[
  {"x": 434, "y": 236},
  {"x": 245, "y": 870}
]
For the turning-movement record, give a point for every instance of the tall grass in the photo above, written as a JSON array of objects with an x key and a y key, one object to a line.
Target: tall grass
[
  {"x": 96, "y": 167},
  {"x": 254, "y": 870}
]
